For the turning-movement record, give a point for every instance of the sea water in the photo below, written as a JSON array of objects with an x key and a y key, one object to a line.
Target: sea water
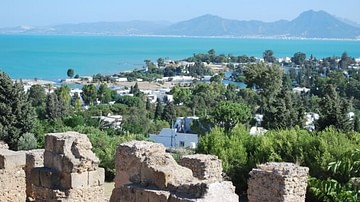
[{"x": 49, "y": 57}]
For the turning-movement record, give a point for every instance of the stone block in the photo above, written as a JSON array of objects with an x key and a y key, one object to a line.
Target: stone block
[
  {"x": 49, "y": 177},
  {"x": 162, "y": 170},
  {"x": 277, "y": 182},
  {"x": 135, "y": 193},
  {"x": 69, "y": 152},
  {"x": 12, "y": 159},
  {"x": 96, "y": 177},
  {"x": 35, "y": 177},
  {"x": 145, "y": 172},
  {"x": 204, "y": 167},
  {"x": 74, "y": 180}
]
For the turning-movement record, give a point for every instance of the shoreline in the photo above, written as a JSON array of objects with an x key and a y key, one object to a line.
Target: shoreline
[{"x": 179, "y": 36}]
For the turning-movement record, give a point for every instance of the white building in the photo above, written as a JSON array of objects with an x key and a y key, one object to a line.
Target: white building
[
  {"x": 172, "y": 139},
  {"x": 310, "y": 119},
  {"x": 299, "y": 90},
  {"x": 257, "y": 130},
  {"x": 113, "y": 121},
  {"x": 183, "y": 124}
]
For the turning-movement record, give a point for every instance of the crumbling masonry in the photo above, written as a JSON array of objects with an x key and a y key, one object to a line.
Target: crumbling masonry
[
  {"x": 145, "y": 172},
  {"x": 67, "y": 170},
  {"x": 283, "y": 182}
]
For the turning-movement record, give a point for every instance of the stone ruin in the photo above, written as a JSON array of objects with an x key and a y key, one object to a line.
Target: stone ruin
[
  {"x": 12, "y": 175},
  {"x": 67, "y": 170},
  {"x": 145, "y": 172},
  {"x": 284, "y": 182},
  {"x": 70, "y": 171}
]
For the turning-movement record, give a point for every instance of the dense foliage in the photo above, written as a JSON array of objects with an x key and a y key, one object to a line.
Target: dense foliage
[
  {"x": 240, "y": 152},
  {"x": 16, "y": 113}
]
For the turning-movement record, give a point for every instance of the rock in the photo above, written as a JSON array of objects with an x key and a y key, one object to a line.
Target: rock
[
  {"x": 147, "y": 163},
  {"x": 145, "y": 172},
  {"x": 204, "y": 167},
  {"x": 278, "y": 182},
  {"x": 71, "y": 171},
  {"x": 69, "y": 152}
]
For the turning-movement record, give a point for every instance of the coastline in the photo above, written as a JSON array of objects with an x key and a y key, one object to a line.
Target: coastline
[{"x": 179, "y": 36}]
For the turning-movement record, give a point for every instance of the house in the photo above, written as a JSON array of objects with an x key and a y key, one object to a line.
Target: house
[
  {"x": 257, "y": 130},
  {"x": 172, "y": 139},
  {"x": 86, "y": 78},
  {"x": 121, "y": 79},
  {"x": 183, "y": 124},
  {"x": 113, "y": 121},
  {"x": 299, "y": 90}
]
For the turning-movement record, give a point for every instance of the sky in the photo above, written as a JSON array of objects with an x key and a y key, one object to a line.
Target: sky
[{"x": 50, "y": 12}]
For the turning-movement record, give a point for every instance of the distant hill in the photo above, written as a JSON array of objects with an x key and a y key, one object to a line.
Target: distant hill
[
  {"x": 309, "y": 24},
  {"x": 98, "y": 28}
]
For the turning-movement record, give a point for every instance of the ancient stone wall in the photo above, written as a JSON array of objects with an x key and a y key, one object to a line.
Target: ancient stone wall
[
  {"x": 203, "y": 167},
  {"x": 70, "y": 171},
  {"x": 284, "y": 182},
  {"x": 34, "y": 159},
  {"x": 12, "y": 175},
  {"x": 145, "y": 172}
]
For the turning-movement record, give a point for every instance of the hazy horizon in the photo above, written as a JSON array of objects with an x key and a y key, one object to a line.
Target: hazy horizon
[{"x": 44, "y": 13}]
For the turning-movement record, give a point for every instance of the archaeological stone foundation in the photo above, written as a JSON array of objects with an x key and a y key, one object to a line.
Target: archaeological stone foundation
[
  {"x": 285, "y": 182},
  {"x": 67, "y": 170}
]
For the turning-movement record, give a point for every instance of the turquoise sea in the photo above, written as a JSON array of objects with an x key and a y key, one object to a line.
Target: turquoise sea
[{"x": 49, "y": 57}]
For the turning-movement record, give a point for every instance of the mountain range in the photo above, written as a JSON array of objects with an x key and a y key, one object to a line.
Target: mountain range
[{"x": 309, "y": 24}]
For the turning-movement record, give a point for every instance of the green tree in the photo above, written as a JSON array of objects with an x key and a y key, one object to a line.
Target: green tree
[
  {"x": 268, "y": 56},
  {"x": 136, "y": 121},
  {"x": 55, "y": 107},
  {"x": 104, "y": 93},
  {"x": 345, "y": 60},
  {"x": 89, "y": 94},
  {"x": 181, "y": 94},
  {"x": 299, "y": 58},
  {"x": 169, "y": 112},
  {"x": 283, "y": 112},
  {"x": 334, "y": 111},
  {"x": 37, "y": 95},
  {"x": 148, "y": 105},
  {"x": 131, "y": 101},
  {"x": 158, "y": 110},
  {"x": 16, "y": 113},
  {"x": 266, "y": 78},
  {"x": 217, "y": 78},
  {"x": 70, "y": 73},
  {"x": 228, "y": 114},
  {"x": 161, "y": 62},
  {"x": 135, "y": 90}
]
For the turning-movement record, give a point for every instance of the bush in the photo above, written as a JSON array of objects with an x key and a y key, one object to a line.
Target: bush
[
  {"x": 241, "y": 152},
  {"x": 27, "y": 141}
]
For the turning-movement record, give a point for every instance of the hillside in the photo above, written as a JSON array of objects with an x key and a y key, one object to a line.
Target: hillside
[{"x": 309, "y": 24}]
